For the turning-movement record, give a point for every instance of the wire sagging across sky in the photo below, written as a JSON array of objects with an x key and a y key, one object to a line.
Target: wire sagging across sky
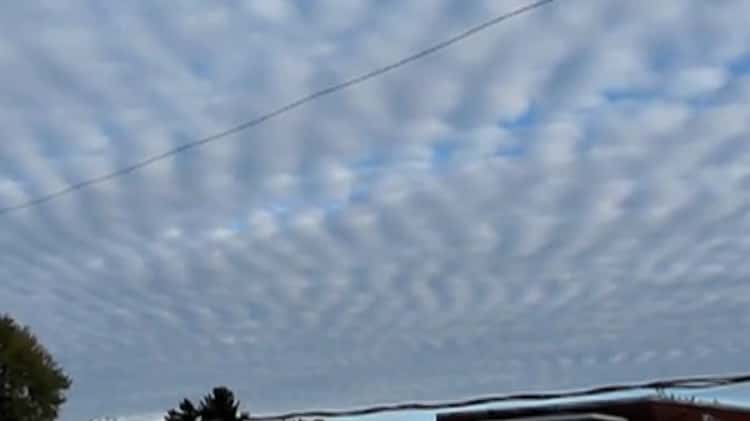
[
  {"x": 691, "y": 383},
  {"x": 275, "y": 113}
]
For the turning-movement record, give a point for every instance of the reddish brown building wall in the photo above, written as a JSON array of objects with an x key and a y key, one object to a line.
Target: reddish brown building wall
[{"x": 669, "y": 411}]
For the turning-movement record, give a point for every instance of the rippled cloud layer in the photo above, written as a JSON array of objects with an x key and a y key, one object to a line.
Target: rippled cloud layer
[{"x": 559, "y": 201}]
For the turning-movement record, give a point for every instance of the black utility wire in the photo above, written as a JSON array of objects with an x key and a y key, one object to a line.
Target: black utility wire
[
  {"x": 272, "y": 114},
  {"x": 675, "y": 383}
]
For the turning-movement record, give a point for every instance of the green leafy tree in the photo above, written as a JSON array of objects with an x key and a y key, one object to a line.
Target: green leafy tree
[
  {"x": 32, "y": 385},
  {"x": 219, "y": 405}
]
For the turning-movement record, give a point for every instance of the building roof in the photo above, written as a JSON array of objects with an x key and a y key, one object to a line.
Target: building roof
[
  {"x": 575, "y": 417},
  {"x": 638, "y": 409}
]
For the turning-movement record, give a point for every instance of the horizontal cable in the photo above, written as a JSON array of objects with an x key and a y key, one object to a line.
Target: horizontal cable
[
  {"x": 275, "y": 113},
  {"x": 699, "y": 382}
]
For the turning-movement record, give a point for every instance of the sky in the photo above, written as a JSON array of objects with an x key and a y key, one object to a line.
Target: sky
[{"x": 560, "y": 201}]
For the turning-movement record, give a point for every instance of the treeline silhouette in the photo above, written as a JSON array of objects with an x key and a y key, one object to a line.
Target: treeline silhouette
[{"x": 219, "y": 405}]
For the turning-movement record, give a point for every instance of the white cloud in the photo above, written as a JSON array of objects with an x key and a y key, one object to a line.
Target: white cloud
[
  {"x": 275, "y": 11},
  {"x": 697, "y": 81},
  {"x": 553, "y": 201}
]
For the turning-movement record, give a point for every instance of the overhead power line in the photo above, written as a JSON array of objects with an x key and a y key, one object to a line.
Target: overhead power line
[
  {"x": 703, "y": 382},
  {"x": 275, "y": 113}
]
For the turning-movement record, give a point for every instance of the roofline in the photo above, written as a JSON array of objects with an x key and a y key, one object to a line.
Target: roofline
[
  {"x": 585, "y": 405},
  {"x": 571, "y": 417},
  {"x": 523, "y": 407}
]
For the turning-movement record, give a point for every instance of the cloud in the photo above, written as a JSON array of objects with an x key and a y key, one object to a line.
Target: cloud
[{"x": 558, "y": 201}]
